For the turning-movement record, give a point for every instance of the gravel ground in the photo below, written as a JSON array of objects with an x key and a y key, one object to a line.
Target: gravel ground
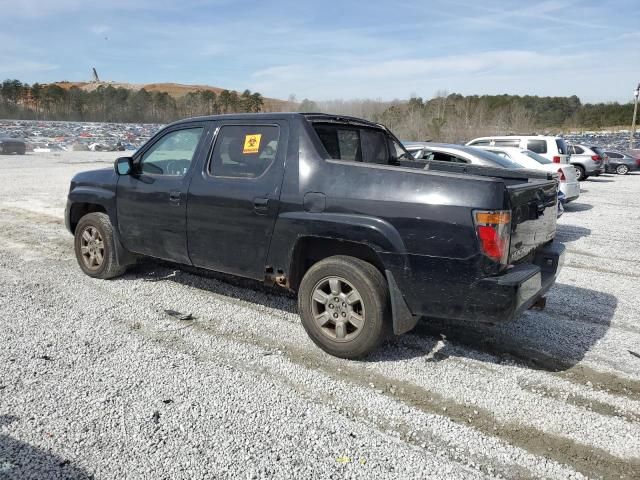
[{"x": 97, "y": 381}]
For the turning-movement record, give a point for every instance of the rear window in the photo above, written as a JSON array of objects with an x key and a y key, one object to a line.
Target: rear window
[
  {"x": 562, "y": 146},
  {"x": 538, "y": 158},
  {"x": 537, "y": 146},
  {"x": 494, "y": 158},
  {"x": 598, "y": 150}
]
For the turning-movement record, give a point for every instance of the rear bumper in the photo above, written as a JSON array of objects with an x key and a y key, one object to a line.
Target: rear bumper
[
  {"x": 571, "y": 190},
  {"x": 504, "y": 297}
]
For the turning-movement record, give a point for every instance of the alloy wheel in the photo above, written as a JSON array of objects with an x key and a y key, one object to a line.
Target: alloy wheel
[
  {"x": 92, "y": 248},
  {"x": 338, "y": 309}
]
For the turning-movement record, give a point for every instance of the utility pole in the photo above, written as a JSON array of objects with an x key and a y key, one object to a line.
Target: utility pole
[{"x": 636, "y": 92}]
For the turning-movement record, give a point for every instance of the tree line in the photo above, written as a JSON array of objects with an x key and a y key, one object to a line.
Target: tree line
[
  {"x": 445, "y": 117},
  {"x": 455, "y": 118},
  {"x": 107, "y": 103}
]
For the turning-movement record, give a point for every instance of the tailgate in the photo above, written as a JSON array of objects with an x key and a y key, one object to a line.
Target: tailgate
[{"x": 533, "y": 216}]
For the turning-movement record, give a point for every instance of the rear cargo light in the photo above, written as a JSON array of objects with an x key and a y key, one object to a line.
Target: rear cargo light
[
  {"x": 561, "y": 176},
  {"x": 556, "y": 159},
  {"x": 494, "y": 232},
  {"x": 596, "y": 158}
]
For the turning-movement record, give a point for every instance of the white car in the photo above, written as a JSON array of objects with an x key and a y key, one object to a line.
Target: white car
[
  {"x": 567, "y": 174},
  {"x": 552, "y": 148}
]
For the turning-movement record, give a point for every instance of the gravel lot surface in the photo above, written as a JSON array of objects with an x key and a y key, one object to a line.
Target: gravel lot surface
[{"x": 96, "y": 380}]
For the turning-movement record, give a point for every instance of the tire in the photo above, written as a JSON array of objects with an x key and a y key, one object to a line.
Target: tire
[
  {"x": 368, "y": 308},
  {"x": 622, "y": 169},
  {"x": 94, "y": 247},
  {"x": 582, "y": 175}
]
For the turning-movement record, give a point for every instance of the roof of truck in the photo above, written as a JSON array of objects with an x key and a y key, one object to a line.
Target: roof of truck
[{"x": 311, "y": 116}]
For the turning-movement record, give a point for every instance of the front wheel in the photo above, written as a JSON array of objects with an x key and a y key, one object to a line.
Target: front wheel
[
  {"x": 344, "y": 305},
  {"x": 94, "y": 247},
  {"x": 622, "y": 169}
]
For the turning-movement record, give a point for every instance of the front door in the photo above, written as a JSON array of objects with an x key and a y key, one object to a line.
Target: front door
[
  {"x": 234, "y": 200},
  {"x": 152, "y": 200}
]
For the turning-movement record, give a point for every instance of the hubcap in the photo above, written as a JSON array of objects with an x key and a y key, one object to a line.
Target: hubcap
[
  {"x": 338, "y": 309},
  {"x": 92, "y": 248},
  {"x": 622, "y": 169}
]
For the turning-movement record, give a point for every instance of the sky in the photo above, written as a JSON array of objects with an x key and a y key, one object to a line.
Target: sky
[{"x": 332, "y": 49}]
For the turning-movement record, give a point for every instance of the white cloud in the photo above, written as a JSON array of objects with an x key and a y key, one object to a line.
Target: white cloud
[{"x": 100, "y": 29}]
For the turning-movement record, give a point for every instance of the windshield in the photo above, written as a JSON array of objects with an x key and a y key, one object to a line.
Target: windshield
[{"x": 538, "y": 158}]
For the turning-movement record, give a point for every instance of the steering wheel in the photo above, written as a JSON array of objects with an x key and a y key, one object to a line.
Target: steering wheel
[{"x": 174, "y": 167}]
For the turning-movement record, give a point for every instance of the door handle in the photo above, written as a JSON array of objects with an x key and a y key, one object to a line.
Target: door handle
[
  {"x": 261, "y": 205},
  {"x": 174, "y": 197}
]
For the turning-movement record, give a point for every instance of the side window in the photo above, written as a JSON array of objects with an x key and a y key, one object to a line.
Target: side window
[
  {"x": 244, "y": 151},
  {"x": 537, "y": 146},
  {"x": 172, "y": 154},
  {"x": 614, "y": 154},
  {"x": 374, "y": 146},
  {"x": 446, "y": 157}
]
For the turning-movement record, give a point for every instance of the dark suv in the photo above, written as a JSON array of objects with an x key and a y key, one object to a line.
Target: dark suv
[{"x": 12, "y": 145}]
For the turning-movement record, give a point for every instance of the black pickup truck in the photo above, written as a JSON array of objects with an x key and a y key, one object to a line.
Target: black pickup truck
[{"x": 333, "y": 208}]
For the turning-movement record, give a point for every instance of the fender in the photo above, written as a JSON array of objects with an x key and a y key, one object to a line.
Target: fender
[
  {"x": 379, "y": 234},
  {"x": 106, "y": 199},
  {"x": 98, "y": 196}
]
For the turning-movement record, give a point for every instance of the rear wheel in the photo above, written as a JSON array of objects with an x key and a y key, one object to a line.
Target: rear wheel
[
  {"x": 94, "y": 247},
  {"x": 622, "y": 169},
  {"x": 581, "y": 174},
  {"x": 344, "y": 304}
]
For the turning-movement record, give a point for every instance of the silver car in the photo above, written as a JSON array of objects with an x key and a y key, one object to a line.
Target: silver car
[
  {"x": 587, "y": 160},
  {"x": 444, "y": 152}
]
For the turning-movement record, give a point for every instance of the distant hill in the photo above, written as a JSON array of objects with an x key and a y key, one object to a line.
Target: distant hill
[{"x": 176, "y": 90}]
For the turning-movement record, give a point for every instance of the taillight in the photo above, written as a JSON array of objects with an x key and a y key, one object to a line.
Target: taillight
[
  {"x": 561, "y": 176},
  {"x": 596, "y": 158},
  {"x": 638, "y": 162},
  {"x": 556, "y": 159},
  {"x": 494, "y": 232}
]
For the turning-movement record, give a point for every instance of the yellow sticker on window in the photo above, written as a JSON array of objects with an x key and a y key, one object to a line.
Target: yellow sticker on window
[{"x": 252, "y": 143}]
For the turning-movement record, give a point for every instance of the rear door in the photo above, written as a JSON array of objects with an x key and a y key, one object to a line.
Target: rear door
[{"x": 233, "y": 200}]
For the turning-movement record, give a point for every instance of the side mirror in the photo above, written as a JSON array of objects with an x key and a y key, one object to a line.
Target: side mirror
[{"x": 123, "y": 165}]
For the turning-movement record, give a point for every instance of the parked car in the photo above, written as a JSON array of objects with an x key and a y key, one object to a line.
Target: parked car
[
  {"x": 621, "y": 163},
  {"x": 553, "y": 148},
  {"x": 12, "y": 145},
  {"x": 588, "y": 160},
  {"x": 567, "y": 174},
  {"x": 445, "y": 152},
  {"x": 336, "y": 210}
]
